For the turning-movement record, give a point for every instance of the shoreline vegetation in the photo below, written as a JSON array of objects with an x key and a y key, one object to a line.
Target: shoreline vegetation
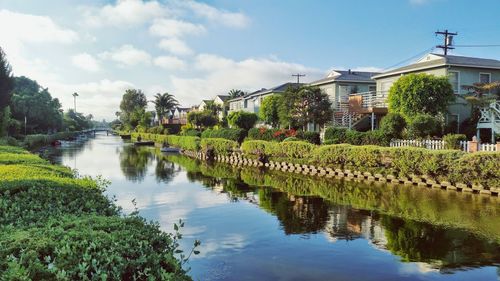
[
  {"x": 447, "y": 169},
  {"x": 57, "y": 225}
]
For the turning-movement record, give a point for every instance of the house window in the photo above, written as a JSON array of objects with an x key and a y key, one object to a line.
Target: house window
[
  {"x": 372, "y": 88},
  {"x": 484, "y": 78},
  {"x": 454, "y": 78}
]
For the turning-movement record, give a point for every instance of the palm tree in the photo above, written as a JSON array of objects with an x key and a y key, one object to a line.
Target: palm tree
[
  {"x": 234, "y": 93},
  {"x": 164, "y": 103}
]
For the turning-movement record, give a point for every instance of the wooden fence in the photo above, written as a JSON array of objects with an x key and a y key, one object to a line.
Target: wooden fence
[{"x": 440, "y": 144}]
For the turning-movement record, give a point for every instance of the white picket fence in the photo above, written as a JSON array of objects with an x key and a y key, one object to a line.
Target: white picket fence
[{"x": 439, "y": 144}]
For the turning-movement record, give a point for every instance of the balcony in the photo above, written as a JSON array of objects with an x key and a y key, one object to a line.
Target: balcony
[{"x": 368, "y": 102}]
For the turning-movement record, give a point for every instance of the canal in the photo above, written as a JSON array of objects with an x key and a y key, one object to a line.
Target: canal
[{"x": 257, "y": 225}]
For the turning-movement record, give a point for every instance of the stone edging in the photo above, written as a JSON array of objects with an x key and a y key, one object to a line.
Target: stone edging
[{"x": 237, "y": 159}]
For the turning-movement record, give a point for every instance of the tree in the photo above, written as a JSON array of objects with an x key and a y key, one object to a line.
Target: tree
[
  {"x": 421, "y": 93},
  {"x": 234, "y": 93},
  {"x": 132, "y": 106},
  {"x": 6, "y": 86},
  {"x": 202, "y": 119},
  {"x": 35, "y": 103},
  {"x": 269, "y": 110},
  {"x": 74, "y": 121},
  {"x": 242, "y": 119},
  {"x": 164, "y": 103},
  {"x": 303, "y": 106},
  {"x": 393, "y": 125},
  {"x": 424, "y": 125},
  {"x": 213, "y": 108}
]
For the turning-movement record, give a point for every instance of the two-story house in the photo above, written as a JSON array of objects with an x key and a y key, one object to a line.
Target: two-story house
[{"x": 461, "y": 71}]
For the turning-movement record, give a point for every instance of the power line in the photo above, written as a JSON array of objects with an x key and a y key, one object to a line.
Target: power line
[
  {"x": 411, "y": 58},
  {"x": 478, "y": 46},
  {"x": 298, "y": 75},
  {"x": 448, "y": 40}
]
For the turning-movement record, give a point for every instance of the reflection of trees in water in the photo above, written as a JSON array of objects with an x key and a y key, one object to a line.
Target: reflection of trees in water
[
  {"x": 134, "y": 162},
  {"x": 451, "y": 248},
  {"x": 297, "y": 214},
  {"x": 165, "y": 171}
]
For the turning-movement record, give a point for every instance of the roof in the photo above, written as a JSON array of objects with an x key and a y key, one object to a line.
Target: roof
[
  {"x": 183, "y": 108},
  {"x": 437, "y": 60},
  {"x": 277, "y": 89},
  {"x": 223, "y": 97},
  {"x": 346, "y": 76}
]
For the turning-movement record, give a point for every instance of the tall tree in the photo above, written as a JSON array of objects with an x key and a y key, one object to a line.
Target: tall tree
[
  {"x": 164, "y": 103},
  {"x": 132, "y": 106},
  {"x": 6, "y": 85},
  {"x": 269, "y": 110},
  {"x": 213, "y": 108},
  {"x": 421, "y": 93}
]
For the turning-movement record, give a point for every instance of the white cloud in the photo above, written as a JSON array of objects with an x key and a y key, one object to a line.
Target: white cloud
[
  {"x": 18, "y": 29},
  {"x": 86, "y": 62},
  {"x": 175, "y": 28},
  {"x": 127, "y": 55},
  {"x": 175, "y": 46},
  {"x": 220, "y": 74},
  {"x": 170, "y": 63},
  {"x": 213, "y": 14},
  {"x": 125, "y": 13}
]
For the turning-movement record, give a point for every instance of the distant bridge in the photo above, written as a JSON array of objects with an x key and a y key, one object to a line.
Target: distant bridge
[{"x": 98, "y": 129}]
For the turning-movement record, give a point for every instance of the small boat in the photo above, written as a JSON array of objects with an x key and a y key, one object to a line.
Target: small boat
[
  {"x": 169, "y": 149},
  {"x": 143, "y": 143}
]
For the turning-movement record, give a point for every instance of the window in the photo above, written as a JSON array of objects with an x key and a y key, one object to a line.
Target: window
[
  {"x": 372, "y": 88},
  {"x": 454, "y": 78},
  {"x": 484, "y": 77}
]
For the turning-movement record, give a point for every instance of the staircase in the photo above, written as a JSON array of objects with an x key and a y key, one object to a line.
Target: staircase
[{"x": 490, "y": 118}]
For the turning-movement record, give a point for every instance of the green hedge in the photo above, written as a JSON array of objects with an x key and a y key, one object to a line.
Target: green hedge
[
  {"x": 220, "y": 146},
  {"x": 183, "y": 142},
  {"x": 225, "y": 133},
  {"x": 335, "y": 135},
  {"x": 289, "y": 149},
  {"x": 452, "y": 141},
  {"x": 34, "y": 141}
]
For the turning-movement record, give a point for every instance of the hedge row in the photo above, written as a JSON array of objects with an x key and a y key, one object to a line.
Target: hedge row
[
  {"x": 342, "y": 135},
  {"x": 225, "y": 133},
  {"x": 220, "y": 146},
  {"x": 183, "y": 142},
  {"x": 451, "y": 165},
  {"x": 279, "y": 135},
  {"x": 34, "y": 141}
]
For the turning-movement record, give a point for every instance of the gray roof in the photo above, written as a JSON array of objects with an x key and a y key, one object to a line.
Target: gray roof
[
  {"x": 277, "y": 89},
  {"x": 347, "y": 76},
  {"x": 223, "y": 97},
  {"x": 444, "y": 61}
]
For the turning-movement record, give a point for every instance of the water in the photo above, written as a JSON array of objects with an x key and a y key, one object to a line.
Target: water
[{"x": 276, "y": 226}]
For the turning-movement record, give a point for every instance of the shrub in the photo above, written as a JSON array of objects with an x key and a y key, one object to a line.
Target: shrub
[
  {"x": 266, "y": 134},
  {"x": 290, "y": 149},
  {"x": 478, "y": 168},
  {"x": 311, "y": 137},
  {"x": 335, "y": 135},
  {"x": 424, "y": 125},
  {"x": 225, "y": 133},
  {"x": 191, "y": 133},
  {"x": 242, "y": 119},
  {"x": 12, "y": 149},
  {"x": 452, "y": 141},
  {"x": 17, "y": 158},
  {"x": 375, "y": 137},
  {"x": 291, "y": 139},
  {"x": 220, "y": 146},
  {"x": 9, "y": 141},
  {"x": 184, "y": 142},
  {"x": 393, "y": 125},
  {"x": 255, "y": 147}
]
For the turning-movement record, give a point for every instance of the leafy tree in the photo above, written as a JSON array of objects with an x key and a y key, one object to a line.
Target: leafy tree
[
  {"x": 269, "y": 110},
  {"x": 6, "y": 85},
  {"x": 132, "y": 107},
  {"x": 75, "y": 121},
  {"x": 202, "y": 119},
  {"x": 305, "y": 105},
  {"x": 420, "y": 93},
  {"x": 242, "y": 119},
  {"x": 424, "y": 125},
  {"x": 33, "y": 102},
  {"x": 393, "y": 125},
  {"x": 213, "y": 108},
  {"x": 234, "y": 93},
  {"x": 164, "y": 104}
]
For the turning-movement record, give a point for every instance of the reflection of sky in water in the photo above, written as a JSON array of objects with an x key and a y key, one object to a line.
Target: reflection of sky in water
[{"x": 241, "y": 241}]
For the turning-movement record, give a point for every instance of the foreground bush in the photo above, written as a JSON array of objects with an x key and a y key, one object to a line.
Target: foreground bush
[
  {"x": 288, "y": 149},
  {"x": 226, "y": 133},
  {"x": 393, "y": 124},
  {"x": 89, "y": 247},
  {"x": 452, "y": 141},
  {"x": 219, "y": 146},
  {"x": 184, "y": 142},
  {"x": 335, "y": 135}
]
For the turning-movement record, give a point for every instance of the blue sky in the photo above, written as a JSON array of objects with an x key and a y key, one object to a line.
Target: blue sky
[{"x": 197, "y": 49}]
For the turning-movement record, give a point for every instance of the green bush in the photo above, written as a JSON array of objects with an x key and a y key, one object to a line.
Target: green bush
[
  {"x": 375, "y": 137},
  {"x": 393, "y": 125},
  {"x": 289, "y": 149},
  {"x": 12, "y": 149},
  {"x": 266, "y": 134},
  {"x": 335, "y": 135},
  {"x": 35, "y": 141},
  {"x": 291, "y": 139},
  {"x": 9, "y": 141},
  {"x": 242, "y": 119},
  {"x": 424, "y": 125},
  {"x": 452, "y": 141},
  {"x": 311, "y": 137},
  {"x": 478, "y": 168},
  {"x": 220, "y": 146},
  {"x": 183, "y": 142},
  {"x": 237, "y": 135},
  {"x": 17, "y": 158},
  {"x": 191, "y": 133},
  {"x": 89, "y": 248}
]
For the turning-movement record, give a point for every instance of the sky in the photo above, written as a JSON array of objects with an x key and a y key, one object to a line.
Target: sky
[{"x": 198, "y": 49}]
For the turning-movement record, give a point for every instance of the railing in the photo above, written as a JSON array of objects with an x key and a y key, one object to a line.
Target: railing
[
  {"x": 440, "y": 144},
  {"x": 369, "y": 99}
]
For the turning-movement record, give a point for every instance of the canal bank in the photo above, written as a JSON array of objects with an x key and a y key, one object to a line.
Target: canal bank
[{"x": 273, "y": 225}]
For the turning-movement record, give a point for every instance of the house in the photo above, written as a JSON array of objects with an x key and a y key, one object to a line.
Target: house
[
  {"x": 251, "y": 102},
  {"x": 338, "y": 85},
  {"x": 203, "y": 104},
  {"x": 461, "y": 71},
  {"x": 178, "y": 116}
]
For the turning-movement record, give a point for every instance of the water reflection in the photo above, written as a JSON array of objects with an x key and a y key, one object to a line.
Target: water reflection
[{"x": 258, "y": 225}]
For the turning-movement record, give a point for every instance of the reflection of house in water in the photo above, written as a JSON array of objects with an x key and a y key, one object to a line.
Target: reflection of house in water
[{"x": 346, "y": 223}]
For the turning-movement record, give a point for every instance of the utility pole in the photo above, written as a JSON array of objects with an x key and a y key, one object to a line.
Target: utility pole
[
  {"x": 298, "y": 75},
  {"x": 74, "y": 100},
  {"x": 448, "y": 40}
]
